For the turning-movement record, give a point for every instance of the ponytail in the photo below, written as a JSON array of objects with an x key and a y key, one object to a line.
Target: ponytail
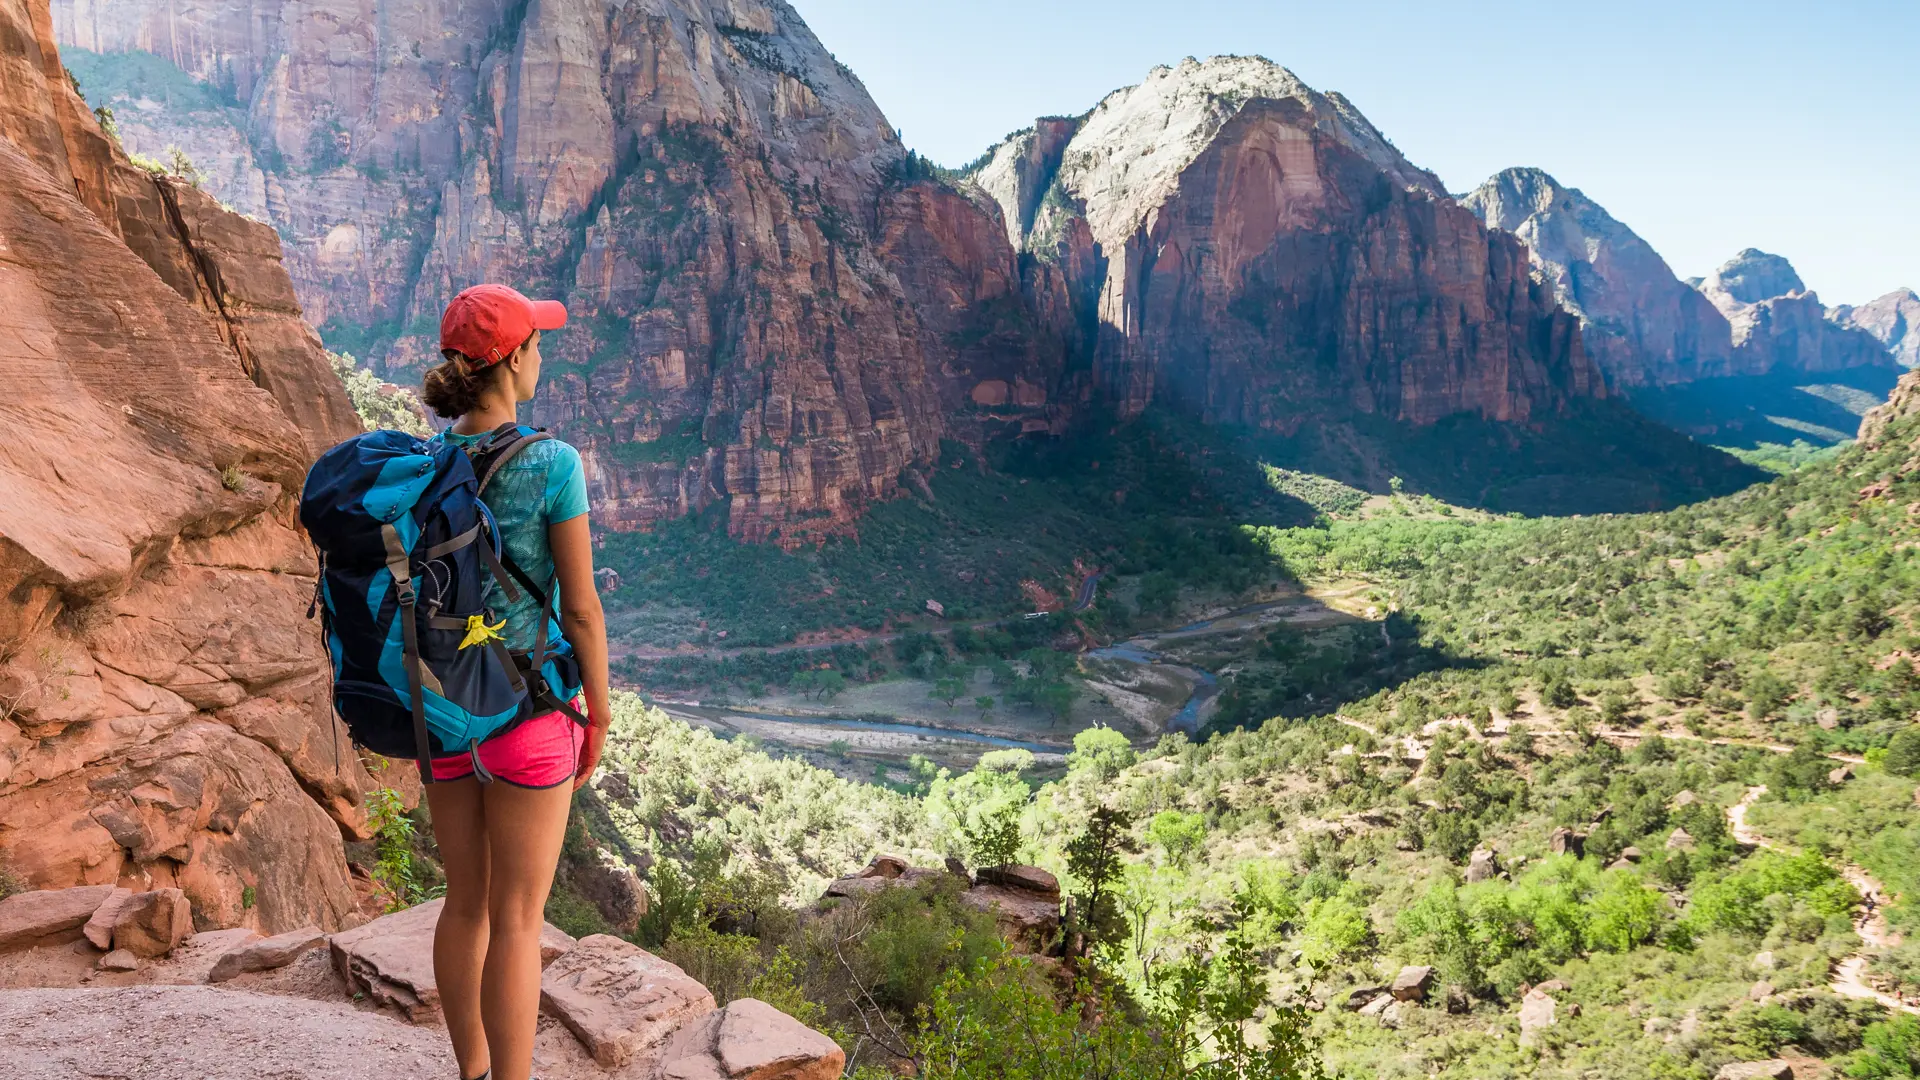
[{"x": 453, "y": 389}]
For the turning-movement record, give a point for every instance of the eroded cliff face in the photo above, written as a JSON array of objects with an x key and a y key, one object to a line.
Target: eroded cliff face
[
  {"x": 1257, "y": 251},
  {"x": 1893, "y": 320},
  {"x": 719, "y": 202},
  {"x": 164, "y": 713},
  {"x": 1642, "y": 325},
  {"x": 1778, "y": 324}
]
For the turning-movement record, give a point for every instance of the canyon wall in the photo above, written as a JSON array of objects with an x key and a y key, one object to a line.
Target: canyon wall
[
  {"x": 1642, "y": 325},
  {"x": 1645, "y": 327},
  {"x": 1257, "y": 251},
  {"x": 1893, "y": 320},
  {"x": 766, "y": 311},
  {"x": 164, "y": 712},
  {"x": 1778, "y": 323}
]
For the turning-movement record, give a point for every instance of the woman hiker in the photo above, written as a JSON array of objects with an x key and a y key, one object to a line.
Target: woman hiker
[{"x": 500, "y": 842}]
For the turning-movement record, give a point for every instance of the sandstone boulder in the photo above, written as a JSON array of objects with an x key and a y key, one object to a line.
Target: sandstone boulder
[
  {"x": 619, "y": 999},
  {"x": 1377, "y": 1005},
  {"x": 1025, "y": 878},
  {"x": 1536, "y": 1015},
  {"x": 99, "y": 928},
  {"x": 391, "y": 959},
  {"x": 1481, "y": 866},
  {"x": 1362, "y": 995},
  {"x": 1760, "y": 991},
  {"x": 49, "y": 916},
  {"x": 265, "y": 954},
  {"x": 1680, "y": 840},
  {"x": 1755, "y": 1070},
  {"x": 1459, "y": 1002},
  {"x": 1564, "y": 841},
  {"x": 759, "y": 1042},
  {"x": 1031, "y": 920},
  {"x": 1412, "y": 983},
  {"x": 118, "y": 960},
  {"x": 151, "y": 923}
]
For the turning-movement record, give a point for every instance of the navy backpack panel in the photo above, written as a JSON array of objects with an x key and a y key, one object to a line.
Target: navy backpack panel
[{"x": 406, "y": 550}]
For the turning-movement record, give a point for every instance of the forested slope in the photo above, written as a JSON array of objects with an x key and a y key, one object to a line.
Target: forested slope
[{"x": 1632, "y": 680}]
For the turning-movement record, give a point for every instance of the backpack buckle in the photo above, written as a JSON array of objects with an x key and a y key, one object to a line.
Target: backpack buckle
[{"x": 403, "y": 590}]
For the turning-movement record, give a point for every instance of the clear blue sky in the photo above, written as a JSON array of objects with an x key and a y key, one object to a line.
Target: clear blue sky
[{"x": 1705, "y": 126}]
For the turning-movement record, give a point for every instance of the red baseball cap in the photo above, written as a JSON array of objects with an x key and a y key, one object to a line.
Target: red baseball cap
[{"x": 487, "y": 322}]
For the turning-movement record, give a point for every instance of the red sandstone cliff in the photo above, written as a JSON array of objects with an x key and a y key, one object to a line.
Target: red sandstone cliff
[
  {"x": 765, "y": 313},
  {"x": 163, "y": 705},
  {"x": 1257, "y": 251}
]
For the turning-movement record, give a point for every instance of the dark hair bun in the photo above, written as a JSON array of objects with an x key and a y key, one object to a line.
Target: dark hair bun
[{"x": 453, "y": 389}]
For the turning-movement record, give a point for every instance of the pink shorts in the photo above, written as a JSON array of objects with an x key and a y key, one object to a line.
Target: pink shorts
[{"x": 541, "y": 753}]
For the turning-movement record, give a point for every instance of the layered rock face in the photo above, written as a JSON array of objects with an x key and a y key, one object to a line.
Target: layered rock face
[
  {"x": 1641, "y": 324},
  {"x": 766, "y": 311},
  {"x": 164, "y": 713},
  {"x": 1893, "y": 320},
  {"x": 1257, "y": 251},
  {"x": 1777, "y": 323}
]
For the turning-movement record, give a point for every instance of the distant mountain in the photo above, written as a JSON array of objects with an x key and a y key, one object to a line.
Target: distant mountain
[
  {"x": 1744, "y": 356},
  {"x": 1242, "y": 245},
  {"x": 1642, "y": 325},
  {"x": 1779, "y": 324},
  {"x": 1894, "y": 320}
]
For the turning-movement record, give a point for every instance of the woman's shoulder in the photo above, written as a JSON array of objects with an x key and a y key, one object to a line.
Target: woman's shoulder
[{"x": 545, "y": 454}]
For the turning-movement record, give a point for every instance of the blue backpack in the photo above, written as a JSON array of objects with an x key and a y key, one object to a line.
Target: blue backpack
[{"x": 406, "y": 548}]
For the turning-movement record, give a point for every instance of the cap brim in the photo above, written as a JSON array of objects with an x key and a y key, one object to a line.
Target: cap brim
[{"x": 549, "y": 314}]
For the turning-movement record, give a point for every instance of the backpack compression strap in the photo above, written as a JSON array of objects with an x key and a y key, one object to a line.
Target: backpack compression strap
[{"x": 400, "y": 566}]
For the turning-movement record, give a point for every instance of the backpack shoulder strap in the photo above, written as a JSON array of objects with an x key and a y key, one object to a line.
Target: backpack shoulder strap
[{"x": 499, "y": 448}]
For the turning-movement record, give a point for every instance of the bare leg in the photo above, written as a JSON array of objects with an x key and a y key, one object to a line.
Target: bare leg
[
  {"x": 460, "y": 941},
  {"x": 524, "y": 831}
]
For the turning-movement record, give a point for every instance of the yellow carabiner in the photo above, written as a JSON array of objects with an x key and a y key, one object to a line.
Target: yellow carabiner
[{"x": 479, "y": 633}]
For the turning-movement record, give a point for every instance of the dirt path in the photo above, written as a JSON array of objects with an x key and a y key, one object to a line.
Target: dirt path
[{"x": 1849, "y": 977}]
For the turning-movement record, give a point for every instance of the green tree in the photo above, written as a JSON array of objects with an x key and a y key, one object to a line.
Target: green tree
[
  {"x": 1890, "y": 1049},
  {"x": 1100, "y": 753},
  {"x": 1177, "y": 834},
  {"x": 947, "y": 688},
  {"x": 1903, "y": 752},
  {"x": 1095, "y": 859},
  {"x": 985, "y": 704},
  {"x": 1623, "y": 914},
  {"x": 829, "y": 684},
  {"x": 993, "y": 837}
]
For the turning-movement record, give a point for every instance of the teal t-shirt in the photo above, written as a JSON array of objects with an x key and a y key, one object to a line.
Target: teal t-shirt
[{"x": 541, "y": 485}]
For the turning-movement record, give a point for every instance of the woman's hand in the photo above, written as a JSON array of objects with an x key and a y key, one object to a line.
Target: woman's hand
[
  {"x": 586, "y": 627},
  {"x": 590, "y": 750}
]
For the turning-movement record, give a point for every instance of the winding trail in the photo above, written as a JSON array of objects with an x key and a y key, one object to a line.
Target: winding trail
[{"x": 1849, "y": 976}]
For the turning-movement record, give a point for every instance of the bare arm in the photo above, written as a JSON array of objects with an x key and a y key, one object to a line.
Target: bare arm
[{"x": 586, "y": 628}]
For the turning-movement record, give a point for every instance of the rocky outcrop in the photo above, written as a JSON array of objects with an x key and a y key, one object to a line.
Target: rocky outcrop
[
  {"x": 767, "y": 313},
  {"x": 1893, "y": 320},
  {"x": 622, "y": 1012},
  {"x": 1642, "y": 325},
  {"x": 1260, "y": 253},
  {"x": 1903, "y": 402},
  {"x": 164, "y": 721},
  {"x": 1778, "y": 324},
  {"x": 1023, "y": 900},
  {"x": 390, "y": 960}
]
